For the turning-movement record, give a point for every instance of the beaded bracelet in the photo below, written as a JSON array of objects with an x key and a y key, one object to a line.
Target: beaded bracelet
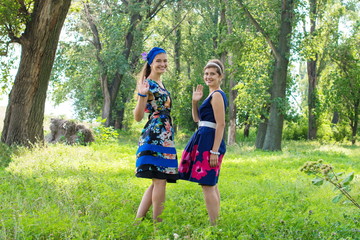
[
  {"x": 215, "y": 153},
  {"x": 142, "y": 95}
]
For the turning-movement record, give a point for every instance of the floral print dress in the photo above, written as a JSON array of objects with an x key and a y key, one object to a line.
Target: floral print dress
[
  {"x": 194, "y": 165},
  {"x": 156, "y": 154}
]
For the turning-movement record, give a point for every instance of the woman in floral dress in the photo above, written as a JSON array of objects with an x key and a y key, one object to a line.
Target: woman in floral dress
[
  {"x": 202, "y": 157},
  {"x": 156, "y": 155}
]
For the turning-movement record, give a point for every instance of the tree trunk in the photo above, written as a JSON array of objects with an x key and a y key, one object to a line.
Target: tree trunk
[
  {"x": 247, "y": 130},
  {"x": 232, "y": 112},
  {"x": 274, "y": 129},
  {"x": 177, "y": 43},
  {"x": 106, "y": 108},
  {"x": 281, "y": 52},
  {"x": 119, "y": 119},
  {"x": 355, "y": 122},
  {"x": 260, "y": 136},
  {"x": 225, "y": 84},
  {"x": 109, "y": 89},
  {"x": 231, "y": 137},
  {"x": 335, "y": 118},
  {"x": 278, "y": 90},
  {"x": 312, "y": 79},
  {"x": 24, "y": 117},
  {"x": 177, "y": 55}
]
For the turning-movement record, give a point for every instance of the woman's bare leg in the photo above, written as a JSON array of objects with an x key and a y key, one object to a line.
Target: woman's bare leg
[
  {"x": 158, "y": 198},
  {"x": 217, "y": 193},
  {"x": 146, "y": 202},
  {"x": 212, "y": 200}
]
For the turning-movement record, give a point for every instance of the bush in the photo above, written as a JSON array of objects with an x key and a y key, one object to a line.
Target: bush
[
  {"x": 295, "y": 130},
  {"x": 105, "y": 134},
  {"x": 340, "y": 132},
  {"x": 240, "y": 137},
  {"x": 183, "y": 136},
  {"x": 324, "y": 133}
]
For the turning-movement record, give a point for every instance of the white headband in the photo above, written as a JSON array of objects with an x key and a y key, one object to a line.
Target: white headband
[{"x": 214, "y": 64}]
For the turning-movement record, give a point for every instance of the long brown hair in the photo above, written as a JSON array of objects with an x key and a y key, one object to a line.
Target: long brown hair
[{"x": 145, "y": 72}]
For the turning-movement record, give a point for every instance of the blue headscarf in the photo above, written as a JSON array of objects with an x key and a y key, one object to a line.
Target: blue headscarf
[{"x": 153, "y": 52}]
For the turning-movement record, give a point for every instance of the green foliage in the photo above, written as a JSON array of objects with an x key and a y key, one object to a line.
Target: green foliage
[
  {"x": 201, "y": 32},
  {"x": 199, "y": 42},
  {"x": 295, "y": 130},
  {"x": 183, "y": 136},
  {"x": 253, "y": 73},
  {"x": 324, "y": 132},
  {"x": 77, "y": 192},
  {"x": 6, "y": 68},
  {"x": 325, "y": 172},
  {"x": 81, "y": 139},
  {"x": 340, "y": 131},
  {"x": 6, "y": 154},
  {"x": 80, "y": 64},
  {"x": 345, "y": 88},
  {"x": 105, "y": 134},
  {"x": 13, "y": 17}
]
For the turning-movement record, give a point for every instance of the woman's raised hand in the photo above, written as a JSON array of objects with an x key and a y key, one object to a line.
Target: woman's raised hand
[
  {"x": 143, "y": 87},
  {"x": 197, "y": 93}
]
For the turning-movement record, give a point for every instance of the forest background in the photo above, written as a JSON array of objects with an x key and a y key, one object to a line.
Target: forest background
[
  {"x": 292, "y": 66},
  {"x": 292, "y": 79}
]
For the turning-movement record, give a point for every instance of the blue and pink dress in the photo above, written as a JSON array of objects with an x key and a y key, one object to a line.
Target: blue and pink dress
[{"x": 194, "y": 165}]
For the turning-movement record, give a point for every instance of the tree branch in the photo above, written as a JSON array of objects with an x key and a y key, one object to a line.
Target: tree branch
[
  {"x": 11, "y": 35},
  {"x": 155, "y": 9},
  {"x": 175, "y": 27},
  {"x": 23, "y": 8},
  {"x": 93, "y": 27},
  {"x": 261, "y": 30}
]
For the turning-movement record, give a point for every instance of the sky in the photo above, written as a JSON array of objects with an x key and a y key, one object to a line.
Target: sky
[{"x": 64, "y": 109}]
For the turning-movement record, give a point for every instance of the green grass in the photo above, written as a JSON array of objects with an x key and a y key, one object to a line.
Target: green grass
[{"x": 76, "y": 192}]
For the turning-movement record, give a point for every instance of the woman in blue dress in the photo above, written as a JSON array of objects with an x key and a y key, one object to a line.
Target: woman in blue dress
[
  {"x": 202, "y": 157},
  {"x": 156, "y": 154}
]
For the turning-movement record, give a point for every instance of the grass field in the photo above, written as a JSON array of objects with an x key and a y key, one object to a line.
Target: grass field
[{"x": 77, "y": 192}]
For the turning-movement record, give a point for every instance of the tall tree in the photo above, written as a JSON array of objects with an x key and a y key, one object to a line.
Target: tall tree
[
  {"x": 314, "y": 49},
  {"x": 42, "y": 21},
  {"x": 312, "y": 76},
  {"x": 110, "y": 86},
  {"x": 231, "y": 133},
  {"x": 109, "y": 37},
  {"x": 346, "y": 80},
  {"x": 321, "y": 31},
  {"x": 198, "y": 23},
  {"x": 281, "y": 50}
]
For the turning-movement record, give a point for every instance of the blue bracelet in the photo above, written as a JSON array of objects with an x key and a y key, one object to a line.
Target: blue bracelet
[{"x": 142, "y": 95}]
